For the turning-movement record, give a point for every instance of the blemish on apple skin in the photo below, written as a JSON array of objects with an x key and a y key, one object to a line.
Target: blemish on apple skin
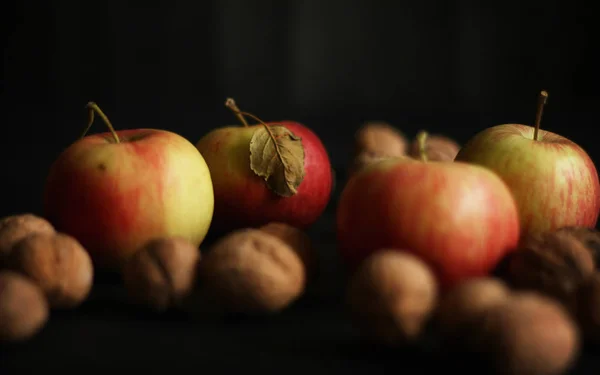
[{"x": 102, "y": 167}]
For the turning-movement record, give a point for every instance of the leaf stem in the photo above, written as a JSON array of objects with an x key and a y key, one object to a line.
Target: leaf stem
[
  {"x": 422, "y": 142},
  {"x": 230, "y": 103},
  {"x": 540, "y": 110},
  {"x": 94, "y": 109}
]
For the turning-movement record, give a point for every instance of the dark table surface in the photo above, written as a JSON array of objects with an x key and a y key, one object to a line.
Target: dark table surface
[{"x": 315, "y": 335}]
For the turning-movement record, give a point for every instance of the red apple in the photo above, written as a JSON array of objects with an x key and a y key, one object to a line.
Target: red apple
[
  {"x": 245, "y": 199},
  {"x": 115, "y": 191},
  {"x": 553, "y": 180},
  {"x": 459, "y": 218}
]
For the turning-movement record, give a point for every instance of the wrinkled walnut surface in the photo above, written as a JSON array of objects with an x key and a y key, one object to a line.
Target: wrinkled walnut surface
[
  {"x": 15, "y": 228},
  {"x": 250, "y": 271},
  {"x": 392, "y": 295},
  {"x": 162, "y": 273},
  {"x": 58, "y": 264}
]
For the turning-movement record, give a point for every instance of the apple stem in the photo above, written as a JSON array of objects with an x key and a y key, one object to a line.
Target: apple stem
[
  {"x": 94, "y": 109},
  {"x": 422, "y": 142},
  {"x": 540, "y": 110},
  {"x": 230, "y": 103}
]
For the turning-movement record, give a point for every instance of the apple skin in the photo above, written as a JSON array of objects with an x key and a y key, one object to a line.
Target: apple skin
[
  {"x": 242, "y": 199},
  {"x": 461, "y": 219},
  {"x": 114, "y": 197},
  {"x": 553, "y": 180}
]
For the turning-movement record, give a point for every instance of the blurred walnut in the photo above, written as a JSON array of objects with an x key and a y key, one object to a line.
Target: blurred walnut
[
  {"x": 23, "y": 307},
  {"x": 380, "y": 139},
  {"x": 590, "y": 237},
  {"x": 392, "y": 295},
  {"x": 162, "y": 273},
  {"x": 554, "y": 264},
  {"x": 297, "y": 240},
  {"x": 15, "y": 228},
  {"x": 464, "y": 305},
  {"x": 250, "y": 271},
  {"x": 58, "y": 264},
  {"x": 529, "y": 334},
  {"x": 588, "y": 308},
  {"x": 437, "y": 148}
]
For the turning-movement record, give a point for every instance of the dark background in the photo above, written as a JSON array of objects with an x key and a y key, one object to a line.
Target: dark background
[{"x": 452, "y": 67}]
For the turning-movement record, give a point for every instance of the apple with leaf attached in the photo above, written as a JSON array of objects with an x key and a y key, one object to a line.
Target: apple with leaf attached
[
  {"x": 277, "y": 171},
  {"x": 459, "y": 218},
  {"x": 117, "y": 190},
  {"x": 553, "y": 180}
]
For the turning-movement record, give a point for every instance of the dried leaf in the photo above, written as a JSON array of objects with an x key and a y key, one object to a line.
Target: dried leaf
[{"x": 277, "y": 155}]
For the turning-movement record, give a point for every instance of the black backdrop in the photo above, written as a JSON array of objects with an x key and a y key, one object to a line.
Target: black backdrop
[{"x": 450, "y": 67}]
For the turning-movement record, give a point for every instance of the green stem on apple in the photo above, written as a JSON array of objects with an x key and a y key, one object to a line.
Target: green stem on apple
[
  {"x": 422, "y": 142},
  {"x": 94, "y": 109},
  {"x": 540, "y": 110},
  {"x": 230, "y": 103}
]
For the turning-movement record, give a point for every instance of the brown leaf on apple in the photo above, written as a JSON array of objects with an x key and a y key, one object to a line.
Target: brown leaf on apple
[{"x": 277, "y": 155}]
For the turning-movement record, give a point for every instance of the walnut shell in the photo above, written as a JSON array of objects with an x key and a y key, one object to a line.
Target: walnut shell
[
  {"x": 380, "y": 139},
  {"x": 16, "y": 227},
  {"x": 23, "y": 307},
  {"x": 554, "y": 264},
  {"x": 437, "y": 148},
  {"x": 162, "y": 273},
  {"x": 250, "y": 272},
  {"x": 590, "y": 237},
  {"x": 297, "y": 240},
  {"x": 588, "y": 308},
  {"x": 464, "y": 305},
  {"x": 58, "y": 264},
  {"x": 391, "y": 296},
  {"x": 529, "y": 335}
]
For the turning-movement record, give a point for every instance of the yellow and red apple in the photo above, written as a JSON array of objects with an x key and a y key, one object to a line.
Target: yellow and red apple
[
  {"x": 243, "y": 198},
  {"x": 459, "y": 218},
  {"x": 553, "y": 180},
  {"x": 117, "y": 190}
]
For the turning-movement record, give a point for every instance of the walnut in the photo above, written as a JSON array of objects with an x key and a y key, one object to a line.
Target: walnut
[
  {"x": 58, "y": 264},
  {"x": 380, "y": 139},
  {"x": 15, "y": 228},
  {"x": 249, "y": 271},
  {"x": 554, "y": 264},
  {"x": 437, "y": 148},
  {"x": 529, "y": 334},
  {"x": 297, "y": 240},
  {"x": 23, "y": 307},
  {"x": 391, "y": 296},
  {"x": 162, "y": 273},
  {"x": 590, "y": 237},
  {"x": 465, "y": 304},
  {"x": 588, "y": 308}
]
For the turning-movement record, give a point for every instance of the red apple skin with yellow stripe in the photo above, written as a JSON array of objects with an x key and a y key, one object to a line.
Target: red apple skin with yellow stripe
[
  {"x": 461, "y": 219},
  {"x": 553, "y": 180},
  {"x": 242, "y": 199},
  {"x": 114, "y": 197}
]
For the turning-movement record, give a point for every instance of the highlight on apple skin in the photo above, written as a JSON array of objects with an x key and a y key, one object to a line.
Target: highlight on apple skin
[
  {"x": 554, "y": 181},
  {"x": 117, "y": 190},
  {"x": 245, "y": 199},
  {"x": 459, "y": 218}
]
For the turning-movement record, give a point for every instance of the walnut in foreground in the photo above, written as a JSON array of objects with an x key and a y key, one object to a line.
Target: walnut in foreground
[
  {"x": 162, "y": 273},
  {"x": 297, "y": 240},
  {"x": 23, "y": 307},
  {"x": 58, "y": 264},
  {"x": 529, "y": 335},
  {"x": 391, "y": 296},
  {"x": 462, "y": 307},
  {"x": 250, "y": 272},
  {"x": 554, "y": 264},
  {"x": 16, "y": 227}
]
